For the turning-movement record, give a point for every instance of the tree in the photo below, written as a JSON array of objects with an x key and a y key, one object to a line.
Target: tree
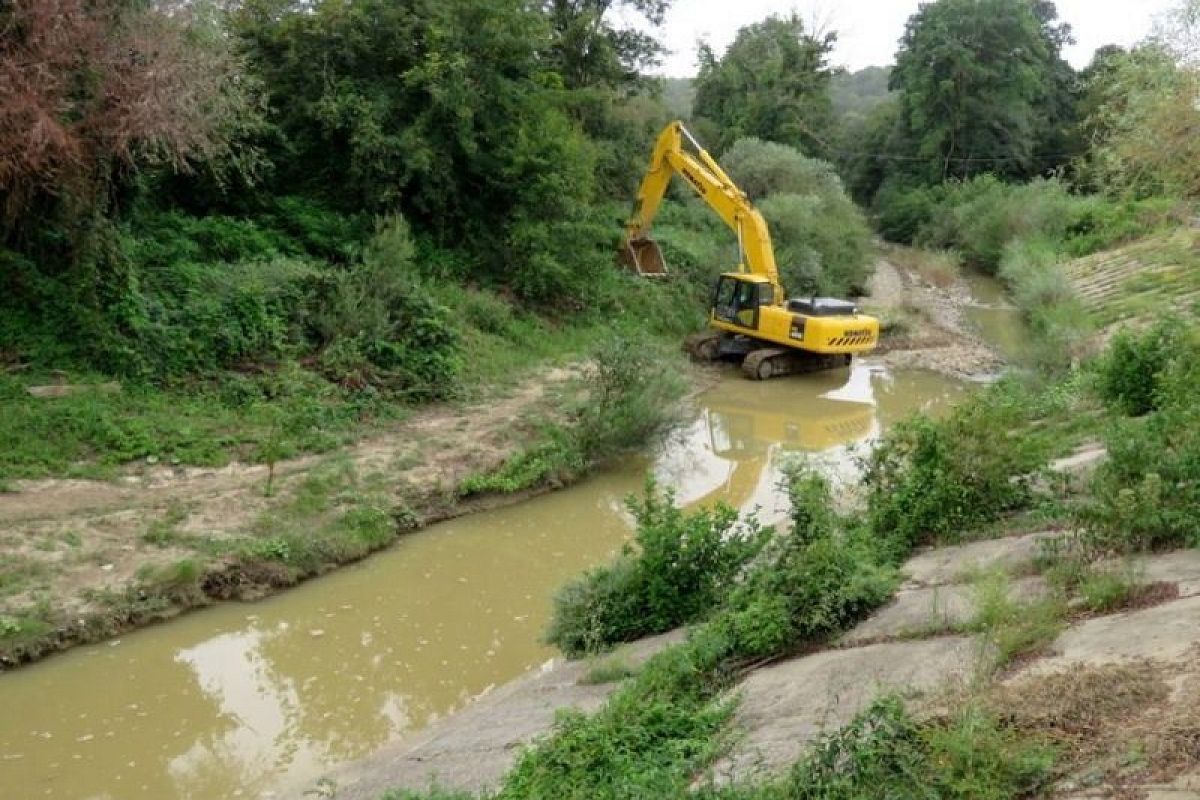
[
  {"x": 1144, "y": 124},
  {"x": 982, "y": 87},
  {"x": 446, "y": 110},
  {"x": 588, "y": 50},
  {"x": 94, "y": 91},
  {"x": 772, "y": 83}
]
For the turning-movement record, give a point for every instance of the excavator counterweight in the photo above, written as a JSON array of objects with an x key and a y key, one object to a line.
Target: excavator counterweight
[{"x": 750, "y": 316}]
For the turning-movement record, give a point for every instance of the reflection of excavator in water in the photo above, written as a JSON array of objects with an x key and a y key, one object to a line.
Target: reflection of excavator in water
[
  {"x": 750, "y": 316},
  {"x": 746, "y": 434}
]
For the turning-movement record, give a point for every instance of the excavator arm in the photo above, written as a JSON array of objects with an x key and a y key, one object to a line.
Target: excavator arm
[{"x": 715, "y": 187}]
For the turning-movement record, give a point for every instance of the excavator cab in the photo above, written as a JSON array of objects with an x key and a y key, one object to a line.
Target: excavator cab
[{"x": 644, "y": 257}]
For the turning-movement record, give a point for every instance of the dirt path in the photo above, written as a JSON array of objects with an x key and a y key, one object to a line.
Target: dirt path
[{"x": 78, "y": 548}]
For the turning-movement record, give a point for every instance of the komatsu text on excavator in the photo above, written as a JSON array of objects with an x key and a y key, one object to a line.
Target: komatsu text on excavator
[{"x": 751, "y": 317}]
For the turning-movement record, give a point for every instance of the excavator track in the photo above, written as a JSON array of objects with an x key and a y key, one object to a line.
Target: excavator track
[
  {"x": 773, "y": 362},
  {"x": 704, "y": 346}
]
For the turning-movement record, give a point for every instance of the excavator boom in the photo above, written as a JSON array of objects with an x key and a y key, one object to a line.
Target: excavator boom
[{"x": 715, "y": 187}]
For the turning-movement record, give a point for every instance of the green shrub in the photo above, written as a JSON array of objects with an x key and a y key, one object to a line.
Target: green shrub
[
  {"x": 1146, "y": 494},
  {"x": 1058, "y": 324},
  {"x": 631, "y": 389},
  {"x": 822, "y": 243},
  {"x": 980, "y": 217},
  {"x": 885, "y": 753},
  {"x": 805, "y": 592},
  {"x": 379, "y": 324},
  {"x": 1129, "y": 372},
  {"x": 901, "y": 212},
  {"x": 761, "y": 169},
  {"x": 679, "y": 568},
  {"x": 932, "y": 480}
]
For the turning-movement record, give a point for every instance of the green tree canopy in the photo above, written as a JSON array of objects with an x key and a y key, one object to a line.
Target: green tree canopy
[
  {"x": 772, "y": 83},
  {"x": 983, "y": 88}
]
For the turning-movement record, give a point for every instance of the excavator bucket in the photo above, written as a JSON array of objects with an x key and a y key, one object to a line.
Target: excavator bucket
[{"x": 644, "y": 257}]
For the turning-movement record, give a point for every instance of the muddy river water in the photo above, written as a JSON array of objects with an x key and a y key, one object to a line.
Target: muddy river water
[{"x": 255, "y": 700}]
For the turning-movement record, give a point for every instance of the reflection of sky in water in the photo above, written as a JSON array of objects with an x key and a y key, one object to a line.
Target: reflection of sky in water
[
  {"x": 265, "y": 697},
  {"x": 737, "y": 448}
]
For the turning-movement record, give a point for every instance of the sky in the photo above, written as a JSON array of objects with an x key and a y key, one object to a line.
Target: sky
[{"x": 869, "y": 29}]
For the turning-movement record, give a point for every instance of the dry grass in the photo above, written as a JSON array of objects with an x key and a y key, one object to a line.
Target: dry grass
[{"x": 1117, "y": 727}]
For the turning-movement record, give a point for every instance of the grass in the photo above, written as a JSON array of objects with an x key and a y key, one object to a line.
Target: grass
[
  {"x": 608, "y": 669},
  {"x": 938, "y": 268},
  {"x": 92, "y": 433},
  {"x": 164, "y": 531},
  {"x": 1010, "y": 628},
  {"x": 969, "y": 753}
]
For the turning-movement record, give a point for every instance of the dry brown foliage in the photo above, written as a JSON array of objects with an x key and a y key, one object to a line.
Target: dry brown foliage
[{"x": 91, "y": 89}]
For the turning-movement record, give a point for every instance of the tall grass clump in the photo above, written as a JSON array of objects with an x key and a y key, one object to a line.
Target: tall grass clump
[
  {"x": 1129, "y": 373},
  {"x": 886, "y": 752},
  {"x": 1058, "y": 323},
  {"x": 629, "y": 390}
]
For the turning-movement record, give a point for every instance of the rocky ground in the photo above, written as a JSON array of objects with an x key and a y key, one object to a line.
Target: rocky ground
[{"x": 926, "y": 326}]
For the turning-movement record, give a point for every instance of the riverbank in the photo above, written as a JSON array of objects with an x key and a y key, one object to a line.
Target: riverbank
[
  {"x": 926, "y": 644},
  {"x": 1056, "y": 663},
  {"x": 87, "y": 559}
]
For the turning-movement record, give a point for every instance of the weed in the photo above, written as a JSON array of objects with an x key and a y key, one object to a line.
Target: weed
[
  {"x": 629, "y": 396},
  {"x": 1146, "y": 494},
  {"x": 1130, "y": 370},
  {"x": 162, "y": 532},
  {"x": 681, "y": 568},
  {"x": 930, "y": 480},
  {"x": 886, "y": 753},
  {"x": 610, "y": 669},
  {"x": 1012, "y": 628}
]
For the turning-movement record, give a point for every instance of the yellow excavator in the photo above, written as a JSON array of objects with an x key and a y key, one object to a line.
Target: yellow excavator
[{"x": 751, "y": 317}]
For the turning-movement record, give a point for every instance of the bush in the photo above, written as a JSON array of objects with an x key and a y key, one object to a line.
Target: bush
[
  {"x": 1059, "y": 325},
  {"x": 901, "y": 213},
  {"x": 761, "y": 169},
  {"x": 1129, "y": 374},
  {"x": 885, "y": 753},
  {"x": 983, "y": 216},
  {"x": 931, "y": 480},
  {"x": 631, "y": 389},
  {"x": 681, "y": 567},
  {"x": 822, "y": 243},
  {"x": 1146, "y": 495},
  {"x": 980, "y": 217},
  {"x": 379, "y": 324}
]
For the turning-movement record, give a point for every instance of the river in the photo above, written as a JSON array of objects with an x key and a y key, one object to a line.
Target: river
[{"x": 253, "y": 700}]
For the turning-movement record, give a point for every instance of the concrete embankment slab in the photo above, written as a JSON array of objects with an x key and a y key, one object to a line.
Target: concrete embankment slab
[
  {"x": 1165, "y": 632},
  {"x": 472, "y": 749},
  {"x": 930, "y": 611},
  {"x": 945, "y": 565},
  {"x": 786, "y": 705},
  {"x": 1181, "y": 568}
]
